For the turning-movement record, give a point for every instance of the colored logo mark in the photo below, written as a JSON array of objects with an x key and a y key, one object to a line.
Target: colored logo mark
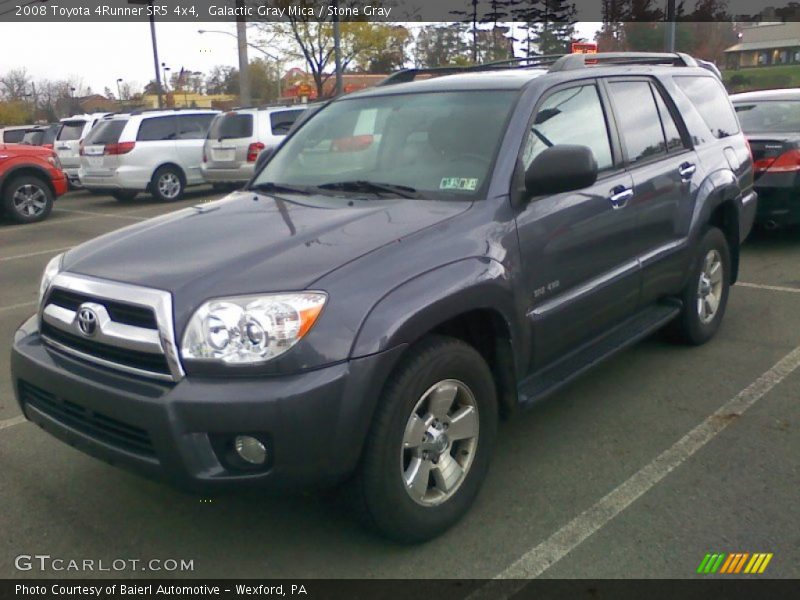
[{"x": 736, "y": 562}]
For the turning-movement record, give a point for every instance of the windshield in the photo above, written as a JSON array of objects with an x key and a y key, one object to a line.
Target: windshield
[
  {"x": 435, "y": 144},
  {"x": 71, "y": 131},
  {"x": 106, "y": 132},
  {"x": 769, "y": 116},
  {"x": 231, "y": 126}
]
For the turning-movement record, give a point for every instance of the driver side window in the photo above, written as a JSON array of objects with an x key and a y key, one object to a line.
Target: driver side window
[{"x": 570, "y": 116}]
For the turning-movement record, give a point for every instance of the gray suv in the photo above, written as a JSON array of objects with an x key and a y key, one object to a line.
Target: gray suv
[{"x": 414, "y": 262}]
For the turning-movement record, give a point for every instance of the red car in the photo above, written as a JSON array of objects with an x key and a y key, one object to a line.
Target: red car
[{"x": 31, "y": 178}]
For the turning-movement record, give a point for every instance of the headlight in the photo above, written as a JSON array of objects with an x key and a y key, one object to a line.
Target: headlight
[
  {"x": 50, "y": 271},
  {"x": 250, "y": 329}
]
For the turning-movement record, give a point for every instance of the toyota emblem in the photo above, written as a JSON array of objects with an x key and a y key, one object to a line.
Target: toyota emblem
[{"x": 87, "y": 321}]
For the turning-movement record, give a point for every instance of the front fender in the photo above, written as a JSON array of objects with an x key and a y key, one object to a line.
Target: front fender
[{"x": 417, "y": 306}]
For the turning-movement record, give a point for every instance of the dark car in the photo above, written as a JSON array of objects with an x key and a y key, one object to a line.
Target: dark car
[
  {"x": 412, "y": 262},
  {"x": 771, "y": 122}
]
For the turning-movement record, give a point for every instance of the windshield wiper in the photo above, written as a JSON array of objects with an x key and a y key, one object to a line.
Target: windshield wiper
[
  {"x": 271, "y": 186},
  {"x": 363, "y": 185}
]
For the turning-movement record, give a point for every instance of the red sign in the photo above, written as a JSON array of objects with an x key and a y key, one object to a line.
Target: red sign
[{"x": 584, "y": 48}]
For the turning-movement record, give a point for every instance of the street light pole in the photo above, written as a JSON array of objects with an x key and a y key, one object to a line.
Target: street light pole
[
  {"x": 155, "y": 46},
  {"x": 244, "y": 73},
  {"x": 254, "y": 47},
  {"x": 337, "y": 48},
  {"x": 119, "y": 91},
  {"x": 669, "y": 29}
]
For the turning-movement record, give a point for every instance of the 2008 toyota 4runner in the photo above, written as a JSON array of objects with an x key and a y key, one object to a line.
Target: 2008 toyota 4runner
[{"x": 413, "y": 261}]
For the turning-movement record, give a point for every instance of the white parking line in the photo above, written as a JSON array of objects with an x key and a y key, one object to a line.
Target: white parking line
[
  {"x": 772, "y": 288},
  {"x": 540, "y": 558},
  {"x": 11, "y": 422},
  {"x": 29, "y": 254},
  {"x": 14, "y": 306}
]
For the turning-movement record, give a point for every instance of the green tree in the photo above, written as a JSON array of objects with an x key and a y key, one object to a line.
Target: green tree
[{"x": 442, "y": 45}]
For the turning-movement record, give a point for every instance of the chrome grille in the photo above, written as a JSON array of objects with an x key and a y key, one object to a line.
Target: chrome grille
[{"x": 119, "y": 326}]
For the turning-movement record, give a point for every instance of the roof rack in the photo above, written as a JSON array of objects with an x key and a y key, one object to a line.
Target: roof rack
[
  {"x": 527, "y": 62},
  {"x": 570, "y": 62}
]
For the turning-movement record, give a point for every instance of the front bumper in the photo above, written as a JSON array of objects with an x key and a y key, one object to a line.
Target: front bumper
[{"x": 315, "y": 422}]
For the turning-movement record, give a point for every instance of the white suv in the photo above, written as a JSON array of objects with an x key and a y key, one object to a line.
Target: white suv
[
  {"x": 67, "y": 145},
  {"x": 236, "y": 138},
  {"x": 159, "y": 151}
]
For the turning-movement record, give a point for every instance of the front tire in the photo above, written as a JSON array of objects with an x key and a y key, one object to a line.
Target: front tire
[
  {"x": 167, "y": 184},
  {"x": 430, "y": 443},
  {"x": 27, "y": 199},
  {"x": 705, "y": 297}
]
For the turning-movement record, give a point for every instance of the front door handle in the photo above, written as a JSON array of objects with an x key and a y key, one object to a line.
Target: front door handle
[
  {"x": 686, "y": 170},
  {"x": 619, "y": 196}
]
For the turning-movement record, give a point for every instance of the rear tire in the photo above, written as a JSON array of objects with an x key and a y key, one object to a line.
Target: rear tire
[
  {"x": 124, "y": 195},
  {"x": 705, "y": 297},
  {"x": 27, "y": 199},
  {"x": 416, "y": 478},
  {"x": 167, "y": 184}
]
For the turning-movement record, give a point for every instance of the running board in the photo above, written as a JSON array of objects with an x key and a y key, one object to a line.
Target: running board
[{"x": 629, "y": 332}]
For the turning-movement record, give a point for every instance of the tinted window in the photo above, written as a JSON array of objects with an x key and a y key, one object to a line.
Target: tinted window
[
  {"x": 71, "y": 130},
  {"x": 49, "y": 135},
  {"x": 33, "y": 138},
  {"x": 157, "y": 129},
  {"x": 571, "y": 116},
  {"x": 711, "y": 101},
  {"x": 14, "y": 136},
  {"x": 638, "y": 119},
  {"x": 673, "y": 136},
  {"x": 769, "y": 116},
  {"x": 282, "y": 121},
  {"x": 231, "y": 126},
  {"x": 193, "y": 127},
  {"x": 106, "y": 132}
]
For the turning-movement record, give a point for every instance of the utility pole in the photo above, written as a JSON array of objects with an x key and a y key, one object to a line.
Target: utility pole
[
  {"x": 244, "y": 74},
  {"x": 669, "y": 27},
  {"x": 337, "y": 48}
]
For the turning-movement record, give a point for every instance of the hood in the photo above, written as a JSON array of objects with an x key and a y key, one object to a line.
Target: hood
[
  {"x": 250, "y": 243},
  {"x": 24, "y": 150}
]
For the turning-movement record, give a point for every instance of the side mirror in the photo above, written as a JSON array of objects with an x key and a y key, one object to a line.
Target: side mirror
[
  {"x": 561, "y": 168},
  {"x": 263, "y": 157}
]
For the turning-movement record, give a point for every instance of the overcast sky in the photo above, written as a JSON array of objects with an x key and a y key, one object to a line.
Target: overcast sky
[{"x": 99, "y": 53}]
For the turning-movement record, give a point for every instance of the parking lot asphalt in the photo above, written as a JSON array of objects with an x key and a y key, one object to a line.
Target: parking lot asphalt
[{"x": 638, "y": 469}]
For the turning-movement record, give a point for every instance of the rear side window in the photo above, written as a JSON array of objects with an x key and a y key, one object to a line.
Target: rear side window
[
  {"x": 106, "y": 132},
  {"x": 157, "y": 129},
  {"x": 570, "y": 116},
  {"x": 671, "y": 133},
  {"x": 231, "y": 126},
  {"x": 33, "y": 138},
  {"x": 283, "y": 120},
  {"x": 71, "y": 131},
  {"x": 14, "y": 136},
  {"x": 711, "y": 101},
  {"x": 639, "y": 122},
  {"x": 193, "y": 127}
]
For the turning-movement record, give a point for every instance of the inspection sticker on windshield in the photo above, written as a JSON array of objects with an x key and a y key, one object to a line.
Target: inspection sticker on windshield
[{"x": 467, "y": 184}]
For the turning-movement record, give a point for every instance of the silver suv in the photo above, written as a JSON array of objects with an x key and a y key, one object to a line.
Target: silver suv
[
  {"x": 236, "y": 138},
  {"x": 72, "y": 132},
  {"x": 158, "y": 151}
]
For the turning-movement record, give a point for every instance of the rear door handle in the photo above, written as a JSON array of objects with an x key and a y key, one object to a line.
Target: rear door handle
[
  {"x": 686, "y": 170},
  {"x": 619, "y": 196}
]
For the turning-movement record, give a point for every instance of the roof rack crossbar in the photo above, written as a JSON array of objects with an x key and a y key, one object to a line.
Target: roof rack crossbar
[{"x": 571, "y": 62}]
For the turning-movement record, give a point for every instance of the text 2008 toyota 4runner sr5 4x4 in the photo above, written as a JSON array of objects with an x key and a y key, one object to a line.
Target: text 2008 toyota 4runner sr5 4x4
[{"x": 413, "y": 260}]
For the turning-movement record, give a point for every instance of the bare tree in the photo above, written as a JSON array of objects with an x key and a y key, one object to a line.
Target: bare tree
[{"x": 15, "y": 84}]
